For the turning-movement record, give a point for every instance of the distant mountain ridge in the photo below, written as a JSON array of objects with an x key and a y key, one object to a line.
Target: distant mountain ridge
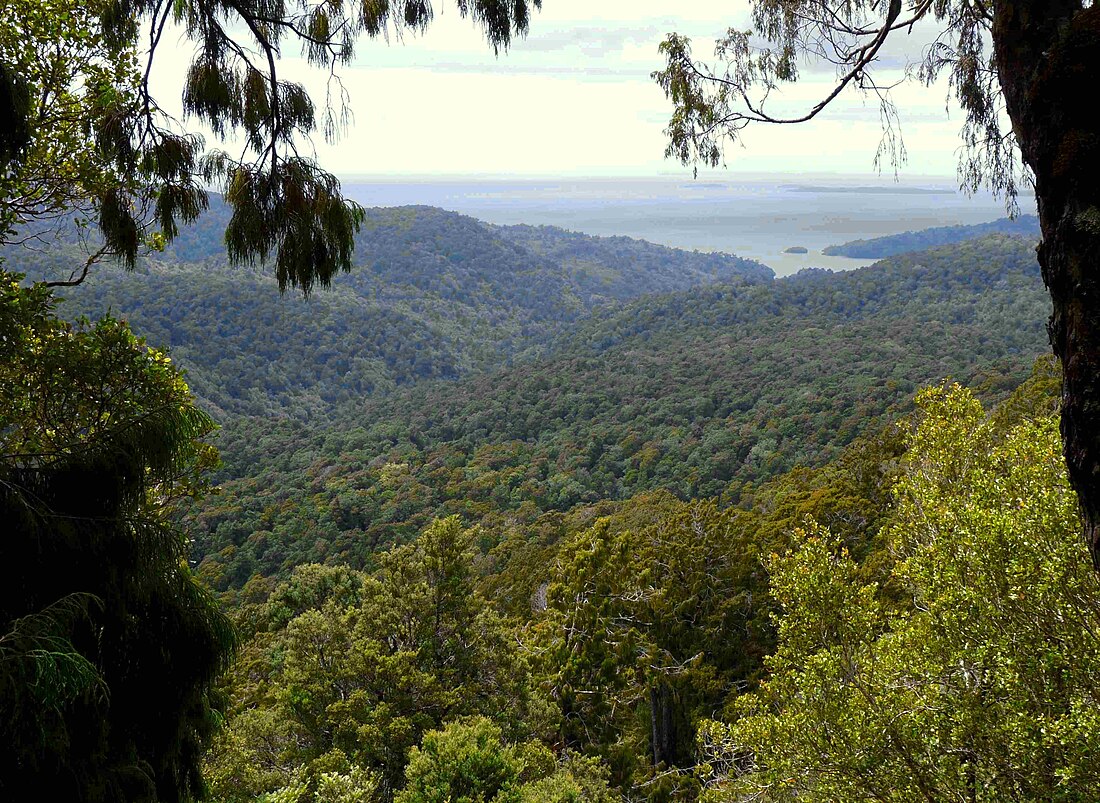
[
  {"x": 433, "y": 295},
  {"x": 388, "y": 231},
  {"x": 608, "y": 256},
  {"x": 890, "y": 245}
]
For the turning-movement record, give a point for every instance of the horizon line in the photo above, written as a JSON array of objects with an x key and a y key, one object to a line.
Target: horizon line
[{"x": 688, "y": 178}]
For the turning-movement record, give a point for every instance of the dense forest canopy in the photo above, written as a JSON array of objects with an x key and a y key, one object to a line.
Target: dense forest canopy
[
  {"x": 852, "y": 597},
  {"x": 434, "y": 295},
  {"x": 700, "y": 392},
  {"x": 515, "y": 514},
  {"x": 549, "y": 579},
  {"x": 552, "y": 580}
]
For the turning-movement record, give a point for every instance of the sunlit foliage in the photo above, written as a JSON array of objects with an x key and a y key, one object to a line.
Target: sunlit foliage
[{"x": 982, "y": 685}]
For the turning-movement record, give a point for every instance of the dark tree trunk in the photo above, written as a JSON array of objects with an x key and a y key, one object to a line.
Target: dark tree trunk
[
  {"x": 15, "y": 109},
  {"x": 1048, "y": 61},
  {"x": 654, "y": 726},
  {"x": 662, "y": 726}
]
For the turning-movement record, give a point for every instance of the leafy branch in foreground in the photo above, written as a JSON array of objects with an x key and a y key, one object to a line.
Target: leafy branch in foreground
[
  {"x": 108, "y": 646},
  {"x": 97, "y": 144}
]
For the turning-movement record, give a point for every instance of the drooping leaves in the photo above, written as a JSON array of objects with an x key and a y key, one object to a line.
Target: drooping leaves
[{"x": 106, "y": 152}]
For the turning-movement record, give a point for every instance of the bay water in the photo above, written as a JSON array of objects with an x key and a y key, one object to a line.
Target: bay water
[{"x": 757, "y": 217}]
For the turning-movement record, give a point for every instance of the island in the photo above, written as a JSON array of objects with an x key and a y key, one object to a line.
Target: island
[{"x": 796, "y": 249}]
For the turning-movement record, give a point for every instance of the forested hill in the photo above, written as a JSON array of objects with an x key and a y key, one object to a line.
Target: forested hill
[
  {"x": 615, "y": 267},
  {"x": 697, "y": 392},
  {"x": 879, "y": 247},
  {"x": 424, "y": 246},
  {"x": 954, "y": 284},
  {"x": 433, "y": 295}
]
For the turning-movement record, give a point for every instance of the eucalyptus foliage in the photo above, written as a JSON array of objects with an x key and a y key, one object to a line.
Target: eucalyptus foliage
[{"x": 714, "y": 101}]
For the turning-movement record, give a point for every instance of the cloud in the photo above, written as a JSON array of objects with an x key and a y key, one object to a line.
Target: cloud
[
  {"x": 576, "y": 98},
  {"x": 591, "y": 41}
]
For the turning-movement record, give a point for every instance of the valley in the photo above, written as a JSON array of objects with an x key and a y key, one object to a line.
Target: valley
[
  {"x": 521, "y": 428},
  {"x": 549, "y": 402}
]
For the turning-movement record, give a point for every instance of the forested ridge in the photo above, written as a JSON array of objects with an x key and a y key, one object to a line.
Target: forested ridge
[
  {"x": 518, "y": 545},
  {"x": 700, "y": 393},
  {"x": 514, "y": 514},
  {"x": 587, "y": 571},
  {"x": 433, "y": 294},
  {"x": 891, "y": 244}
]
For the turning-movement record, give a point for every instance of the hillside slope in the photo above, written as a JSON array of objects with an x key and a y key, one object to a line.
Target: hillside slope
[
  {"x": 893, "y": 244},
  {"x": 433, "y": 295},
  {"x": 698, "y": 392}
]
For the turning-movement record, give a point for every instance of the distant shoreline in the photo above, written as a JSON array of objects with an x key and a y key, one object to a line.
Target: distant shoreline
[
  {"x": 754, "y": 220},
  {"x": 895, "y": 190}
]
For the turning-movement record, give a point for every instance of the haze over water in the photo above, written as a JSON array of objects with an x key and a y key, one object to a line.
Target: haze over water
[{"x": 757, "y": 218}]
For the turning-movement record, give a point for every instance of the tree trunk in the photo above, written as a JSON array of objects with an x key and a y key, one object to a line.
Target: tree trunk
[
  {"x": 1048, "y": 62},
  {"x": 15, "y": 110},
  {"x": 654, "y": 726},
  {"x": 661, "y": 725}
]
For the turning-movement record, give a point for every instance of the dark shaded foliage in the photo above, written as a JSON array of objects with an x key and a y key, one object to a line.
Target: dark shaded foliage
[
  {"x": 14, "y": 109},
  {"x": 108, "y": 647}
]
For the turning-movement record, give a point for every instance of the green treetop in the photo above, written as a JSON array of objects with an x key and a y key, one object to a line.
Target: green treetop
[{"x": 982, "y": 686}]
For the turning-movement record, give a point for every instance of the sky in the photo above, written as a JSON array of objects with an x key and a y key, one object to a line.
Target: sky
[{"x": 575, "y": 98}]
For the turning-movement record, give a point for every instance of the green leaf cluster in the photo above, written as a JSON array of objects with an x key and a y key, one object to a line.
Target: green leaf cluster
[
  {"x": 980, "y": 685},
  {"x": 468, "y": 761},
  {"x": 346, "y": 673},
  {"x": 109, "y": 648}
]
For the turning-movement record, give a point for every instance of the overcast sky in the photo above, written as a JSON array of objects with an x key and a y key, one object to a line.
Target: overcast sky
[{"x": 575, "y": 98}]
